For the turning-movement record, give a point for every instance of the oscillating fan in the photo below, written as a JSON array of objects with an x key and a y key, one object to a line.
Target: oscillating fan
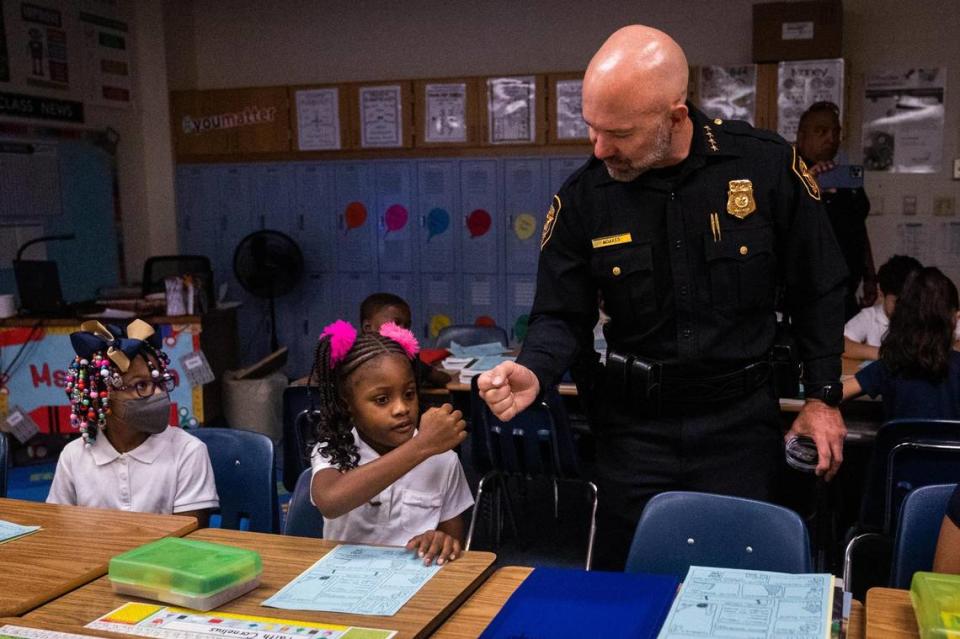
[{"x": 268, "y": 264}]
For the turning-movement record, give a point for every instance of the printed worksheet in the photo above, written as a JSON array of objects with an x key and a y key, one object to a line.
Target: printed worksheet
[
  {"x": 361, "y": 580},
  {"x": 730, "y": 603},
  {"x": 9, "y": 631},
  {"x": 10, "y": 531}
]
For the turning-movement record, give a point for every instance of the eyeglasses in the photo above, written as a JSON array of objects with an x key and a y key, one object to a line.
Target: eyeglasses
[{"x": 146, "y": 388}]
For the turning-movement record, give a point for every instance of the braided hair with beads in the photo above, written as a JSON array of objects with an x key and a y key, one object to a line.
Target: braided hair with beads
[{"x": 331, "y": 421}]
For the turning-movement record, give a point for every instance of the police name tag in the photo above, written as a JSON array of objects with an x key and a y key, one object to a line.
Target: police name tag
[
  {"x": 611, "y": 240},
  {"x": 196, "y": 368},
  {"x": 20, "y": 425}
]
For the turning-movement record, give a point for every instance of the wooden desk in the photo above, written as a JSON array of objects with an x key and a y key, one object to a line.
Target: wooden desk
[
  {"x": 72, "y": 548},
  {"x": 283, "y": 559},
  {"x": 890, "y": 614},
  {"x": 478, "y": 611}
]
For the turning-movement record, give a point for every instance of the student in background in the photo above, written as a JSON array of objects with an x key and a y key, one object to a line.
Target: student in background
[
  {"x": 382, "y": 473},
  {"x": 128, "y": 457},
  {"x": 864, "y": 332},
  {"x": 947, "y": 558},
  {"x": 918, "y": 373},
  {"x": 378, "y": 309}
]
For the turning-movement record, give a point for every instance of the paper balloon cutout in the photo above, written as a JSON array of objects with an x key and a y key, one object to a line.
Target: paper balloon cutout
[
  {"x": 478, "y": 223},
  {"x": 438, "y": 221},
  {"x": 439, "y": 322},
  {"x": 520, "y": 327},
  {"x": 524, "y": 225},
  {"x": 356, "y": 215},
  {"x": 485, "y": 320},
  {"x": 396, "y": 217}
]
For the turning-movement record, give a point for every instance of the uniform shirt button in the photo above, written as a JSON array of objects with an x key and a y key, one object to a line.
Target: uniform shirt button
[
  {"x": 683, "y": 290},
  {"x": 616, "y": 271},
  {"x": 687, "y": 333},
  {"x": 678, "y": 244},
  {"x": 744, "y": 250}
]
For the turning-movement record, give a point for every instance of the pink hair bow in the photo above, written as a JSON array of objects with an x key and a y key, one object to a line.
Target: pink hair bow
[
  {"x": 401, "y": 336},
  {"x": 342, "y": 336}
]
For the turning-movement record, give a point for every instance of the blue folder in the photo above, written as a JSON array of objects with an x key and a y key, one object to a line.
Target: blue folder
[{"x": 553, "y": 603}]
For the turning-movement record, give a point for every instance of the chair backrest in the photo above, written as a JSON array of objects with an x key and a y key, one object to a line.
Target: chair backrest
[
  {"x": 908, "y": 453},
  {"x": 297, "y": 433},
  {"x": 303, "y": 518},
  {"x": 537, "y": 442},
  {"x": 158, "y": 267},
  {"x": 469, "y": 335},
  {"x": 245, "y": 473},
  {"x": 916, "y": 540},
  {"x": 4, "y": 464},
  {"x": 680, "y": 529}
]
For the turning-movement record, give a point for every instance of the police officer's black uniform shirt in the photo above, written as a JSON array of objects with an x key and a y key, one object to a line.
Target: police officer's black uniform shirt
[{"x": 677, "y": 288}]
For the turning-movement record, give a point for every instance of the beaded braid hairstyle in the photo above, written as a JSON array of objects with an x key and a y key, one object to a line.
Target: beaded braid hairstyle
[
  {"x": 331, "y": 421},
  {"x": 90, "y": 380}
]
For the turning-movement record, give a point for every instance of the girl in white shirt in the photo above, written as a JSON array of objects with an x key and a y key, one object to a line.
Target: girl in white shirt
[{"x": 382, "y": 473}]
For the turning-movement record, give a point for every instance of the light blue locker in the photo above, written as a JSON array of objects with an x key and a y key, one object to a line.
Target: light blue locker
[
  {"x": 524, "y": 205},
  {"x": 274, "y": 187},
  {"x": 440, "y": 301},
  {"x": 481, "y": 221},
  {"x": 520, "y": 293},
  {"x": 354, "y": 204},
  {"x": 407, "y": 286},
  {"x": 482, "y": 298},
  {"x": 318, "y": 307},
  {"x": 198, "y": 195},
  {"x": 352, "y": 289},
  {"x": 316, "y": 220},
  {"x": 396, "y": 226},
  {"x": 438, "y": 208},
  {"x": 560, "y": 170},
  {"x": 237, "y": 214}
]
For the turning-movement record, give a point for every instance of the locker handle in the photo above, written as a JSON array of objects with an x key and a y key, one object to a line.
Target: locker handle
[
  {"x": 300, "y": 221},
  {"x": 186, "y": 223},
  {"x": 306, "y": 327},
  {"x": 263, "y": 223}
]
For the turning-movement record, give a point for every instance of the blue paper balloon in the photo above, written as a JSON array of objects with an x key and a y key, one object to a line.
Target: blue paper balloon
[{"x": 438, "y": 221}]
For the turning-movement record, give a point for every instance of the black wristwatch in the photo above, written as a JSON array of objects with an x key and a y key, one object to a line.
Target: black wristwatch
[{"x": 829, "y": 394}]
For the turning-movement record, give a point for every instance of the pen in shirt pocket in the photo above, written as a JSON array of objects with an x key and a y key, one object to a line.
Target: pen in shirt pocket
[{"x": 715, "y": 227}]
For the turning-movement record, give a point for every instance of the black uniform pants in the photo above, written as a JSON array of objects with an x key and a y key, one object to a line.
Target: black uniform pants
[{"x": 734, "y": 448}]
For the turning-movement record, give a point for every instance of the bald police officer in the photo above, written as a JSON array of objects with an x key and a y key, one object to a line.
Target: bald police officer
[{"x": 686, "y": 226}]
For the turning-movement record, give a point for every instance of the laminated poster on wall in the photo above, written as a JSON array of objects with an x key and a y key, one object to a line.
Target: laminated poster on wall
[
  {"x": 318, "y": 119},
  {"x": 570, "y": 124},
  {"x": 801, "y": 83},
  {"x": 106, "y": 56},
  {"x": 511, "y": 109},
  {"x": 729, "y": 93},
  {"x": 903, "y": 120},
  {"x": 380, "y": 116},
  {"x": 446, "y": 113}
]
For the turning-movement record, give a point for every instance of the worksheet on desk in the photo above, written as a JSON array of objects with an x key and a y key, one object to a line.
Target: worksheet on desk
[
  {"x": 10, "y": 531},
  {"x": 731, "y": 603},
  {"x": 360, "y": 580}
]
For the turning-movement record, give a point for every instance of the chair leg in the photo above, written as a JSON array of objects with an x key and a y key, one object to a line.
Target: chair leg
[
  {"x": 593, "y": 523},
  {"x": 508, "y": 509},
  {"x": 556, "y": 499},
  {"x": 476, "y": 508}
]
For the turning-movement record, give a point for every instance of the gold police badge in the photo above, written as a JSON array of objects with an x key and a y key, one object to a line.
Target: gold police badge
[
  {"x": 552, "y": 214},
  {"x": 740, "y": 202}
]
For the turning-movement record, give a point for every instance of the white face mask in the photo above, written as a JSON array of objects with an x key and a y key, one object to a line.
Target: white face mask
[{"x": 146, "y": 415}]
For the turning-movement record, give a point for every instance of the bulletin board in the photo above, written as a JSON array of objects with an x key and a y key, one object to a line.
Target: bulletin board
[{"x": 231, "y": 121}]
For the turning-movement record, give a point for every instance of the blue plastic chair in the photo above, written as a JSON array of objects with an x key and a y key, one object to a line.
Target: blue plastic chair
[
  {"x": 679, "y": 529},
  {"x": 296, "y": 434},
  {"x": 908, "y": 454},
  {"x": 536, "y": 443},
  {"x": 470, "y": 335},
  {"x": 303, "y": 518},
  {"x": 4, "y": 464},
  {"x": 919, "y": 527},
  {"x": 244, "y": 471}
]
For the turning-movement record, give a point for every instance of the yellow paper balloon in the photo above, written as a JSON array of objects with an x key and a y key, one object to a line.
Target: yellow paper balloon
[
  {"x": 525, "y": 225},
  {"x": 439, "y": 322}
]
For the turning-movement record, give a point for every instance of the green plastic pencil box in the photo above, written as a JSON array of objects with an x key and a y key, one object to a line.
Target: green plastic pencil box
[
  {"x": 936, "y": 603},
  {"x": 192, "y": 574}
]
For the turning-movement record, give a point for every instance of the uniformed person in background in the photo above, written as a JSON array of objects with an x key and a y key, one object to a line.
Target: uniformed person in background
[
  {"x": 686, "y": 226},
  {"x": 818, "y": 139}
]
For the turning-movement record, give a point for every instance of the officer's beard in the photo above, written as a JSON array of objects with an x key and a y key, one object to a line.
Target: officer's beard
[{"x": 631, "y": 170}]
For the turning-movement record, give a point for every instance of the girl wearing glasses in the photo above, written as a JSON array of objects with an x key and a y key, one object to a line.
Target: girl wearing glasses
[{"x": 128, "y": 457}]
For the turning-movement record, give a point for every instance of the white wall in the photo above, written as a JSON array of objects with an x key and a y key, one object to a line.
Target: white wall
[{"x": 253, "y": 42}]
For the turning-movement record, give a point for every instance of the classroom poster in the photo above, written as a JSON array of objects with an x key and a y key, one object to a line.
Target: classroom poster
[
  {"x": 318, "y": 119},
  {"x": 729, "y": 93},
  {"x": 511, "y": 109},
  {"x": 380, "y": 116},
  {"x": 570, "y": 124},
  {"x": 106, "y": 59},
  {"x": 41, "y": 44},
  {"x": 800, "y": 84},
  {"x": 903, "y": 120},
  {"x": 446, "y": 113}
]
